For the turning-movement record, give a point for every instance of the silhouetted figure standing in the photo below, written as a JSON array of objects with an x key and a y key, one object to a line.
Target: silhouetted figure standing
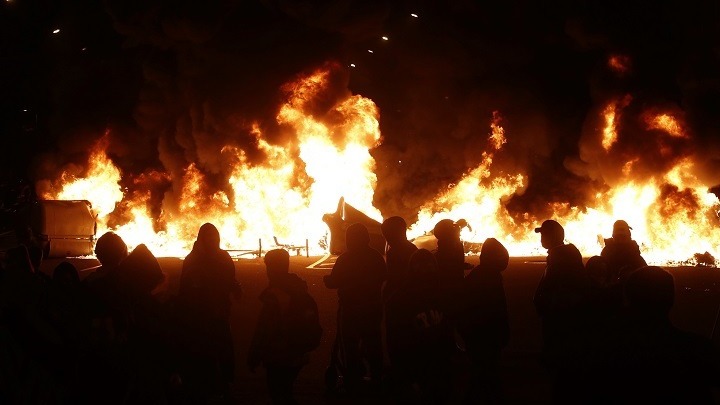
[
  {"x": 483, "y": 322},
  {"x": 145, "y": 349},
  {"x": 206, "y": 285},
  {"x": 621, "y": 253},
  {"x": 424, "y": 359},
  {"x": 105, "y": 380},
  {"x": 275, "y": 343},
  {"x": 562, "y": 301},
  {"x": 649, "y": 360},
  {"x": 397, "y": 258},
  {"x": 358, "y": 275},
  {"x": 450, "y": 254}
]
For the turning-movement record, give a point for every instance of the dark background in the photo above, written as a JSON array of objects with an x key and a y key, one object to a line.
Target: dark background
[{"x": 164, "y": 77}]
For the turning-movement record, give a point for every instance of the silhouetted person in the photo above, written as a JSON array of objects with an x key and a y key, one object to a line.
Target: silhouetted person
[
  {"x": 397, "y": 258},
  {"x": 621, "y": 253},
  {"x": 358, "y": 275},
  {"x": 649, "y": 360},
  {"x": 104, "y": 379},
  {"x": 207, "y": 283},
  {"x": 563, "y": 301},
  {"x": 274, "y": 342},
  {"x": 425, "y": 357},
  {"x": 450, "y": 254},
  {"x": 145, "y": 347},
  {"x": 483, "y": 322}
]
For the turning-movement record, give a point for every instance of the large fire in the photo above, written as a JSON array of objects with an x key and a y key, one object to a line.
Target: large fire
[{"x": 673, "y": 215}]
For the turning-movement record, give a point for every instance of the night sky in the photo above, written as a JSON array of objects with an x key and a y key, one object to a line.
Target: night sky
[{"x": 153, "y": 72}]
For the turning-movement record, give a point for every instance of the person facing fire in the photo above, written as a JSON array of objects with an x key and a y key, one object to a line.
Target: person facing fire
[
  {"x": 483, "y": 322},
  {"x": 358, "y": 275},
  {"x": 562, "y": 302},
  {"x": 207, "y": 283},
  {"x": 287, "y": 318},
  {"x": 397, "y": 257},
  {"x": 621, "y": 253},
  {"x": 450, "y": 253},
  {"x": 648, "y": 359}
]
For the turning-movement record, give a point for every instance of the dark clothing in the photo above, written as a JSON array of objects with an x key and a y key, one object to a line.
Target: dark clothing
[
  {"x": 358, "y": 275},
  {"x": 271, "y": 344},
  {"x": 207, "y": 280},
  {"x": 621, "y": 256},
  {"x": 482, "y": 322},
  {"x": 652, "y": 362},
  {"x": 562, "y": 301},
  {"x": 203, "y": 305},
  {"x": 425, "y": 357},
  {"x": 450, "y": 257},
  {"x": 398, "y": 258}
]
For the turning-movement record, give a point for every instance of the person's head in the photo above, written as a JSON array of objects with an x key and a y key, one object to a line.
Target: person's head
[
  {"x": 650, "y": 290},
  {"x": 277, "y": 263},
  {"x": 394, "y": 229},
  {"x": 621, "y": 230},
  {"x": 446, "y": 229},
  {"x": 357, "y": 236},
  {"x": 597, "y": 269},
  {"x": 493, "y": 255},
  {"x": 551, "y": 233},
  {"x": 208, "y": 236},
  {"x": 66, "y": 273},
  {"x": 140, "y": 271},
  {"x": 110, "y": 249}
]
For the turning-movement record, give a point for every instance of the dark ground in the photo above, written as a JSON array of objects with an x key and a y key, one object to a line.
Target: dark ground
[{"x": 697, "y": 301}]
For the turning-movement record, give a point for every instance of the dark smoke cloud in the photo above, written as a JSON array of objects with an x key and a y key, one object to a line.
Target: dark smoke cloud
[{"x": 192, "y": 77}]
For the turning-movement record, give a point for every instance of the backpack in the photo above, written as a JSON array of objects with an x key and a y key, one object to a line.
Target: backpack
[{"x": 302, "y": 323}]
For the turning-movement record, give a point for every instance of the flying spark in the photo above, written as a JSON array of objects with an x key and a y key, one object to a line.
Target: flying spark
[
  {"x": 370, "y": 50},
  {"x": 385, "y": 38},
  {"x": 352, "y": 65},
  {"x": 56, "y": 30},
  {"x": 414, "y": 15}
]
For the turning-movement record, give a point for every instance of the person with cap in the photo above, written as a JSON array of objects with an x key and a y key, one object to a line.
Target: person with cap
[
  {"x": 450, "y": 253},
  {"x": 562, "y": 300},
  {"x": 621, "y": 253}
]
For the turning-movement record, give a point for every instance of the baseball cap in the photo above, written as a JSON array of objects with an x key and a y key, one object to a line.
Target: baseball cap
[{"x": 549, "y": 226}]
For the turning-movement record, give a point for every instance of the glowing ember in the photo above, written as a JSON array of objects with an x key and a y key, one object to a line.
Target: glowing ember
[{"x": 619, "y": 63}]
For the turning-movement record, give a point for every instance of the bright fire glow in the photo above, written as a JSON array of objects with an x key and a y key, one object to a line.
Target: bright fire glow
[
  {"x": 619, "y": 63},
  {"x": 300, "y": 179},
  {"x": 284, "y": 197}
]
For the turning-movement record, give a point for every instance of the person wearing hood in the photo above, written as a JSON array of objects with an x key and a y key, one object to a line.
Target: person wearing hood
[
  {"x": 207, "y": 283},
  {"x": 483, "y": 322},
  {"x": 273, "y": 342},
  {"x": 358, "y": 275}
]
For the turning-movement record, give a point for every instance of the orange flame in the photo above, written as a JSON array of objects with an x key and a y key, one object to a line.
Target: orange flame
[
  {"x": 665, "y": 122},
  {"x": 611, "y": 115},
  {"x": 619, "y": 64}
]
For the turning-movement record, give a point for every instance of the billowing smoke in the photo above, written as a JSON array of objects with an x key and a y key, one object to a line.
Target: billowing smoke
[{"x": 206, "y": 72}]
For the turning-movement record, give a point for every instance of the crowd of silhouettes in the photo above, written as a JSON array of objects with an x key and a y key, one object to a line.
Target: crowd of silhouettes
[{"x": 440, "y": 324}]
